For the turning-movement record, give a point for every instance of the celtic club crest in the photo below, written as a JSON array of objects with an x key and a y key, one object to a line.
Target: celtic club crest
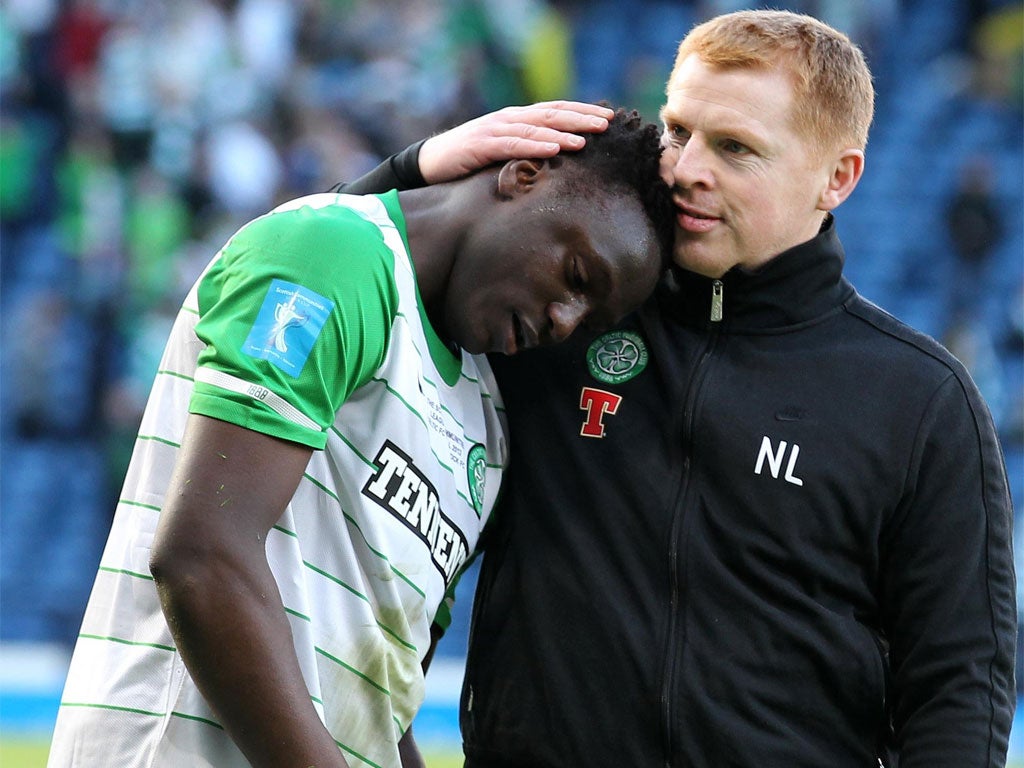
[
  {"x": 476, "y": 470},
  {"x": 617, "y": 356}
]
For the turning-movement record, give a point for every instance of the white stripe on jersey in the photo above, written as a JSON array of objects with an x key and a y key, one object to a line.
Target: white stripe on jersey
[{"x": 257, "y": 392}]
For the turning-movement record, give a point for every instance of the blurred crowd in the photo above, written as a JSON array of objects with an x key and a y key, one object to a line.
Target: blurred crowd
[{"x": 137, "y": 135}]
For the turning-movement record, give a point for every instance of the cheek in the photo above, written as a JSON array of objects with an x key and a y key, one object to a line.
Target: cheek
[
  {"x": 666, "y": 166},
  {"x": 759, "y": 212}
]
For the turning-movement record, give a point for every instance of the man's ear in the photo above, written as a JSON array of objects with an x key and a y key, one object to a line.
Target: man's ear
[
  {"x": 517, "y": 177},
  {"x": 843, "y": 178}
]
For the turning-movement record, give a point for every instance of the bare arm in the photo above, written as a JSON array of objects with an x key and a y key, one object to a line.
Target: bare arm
[
  {"x": 537, "y": 130},
  {"x": 221, "y": 601}
]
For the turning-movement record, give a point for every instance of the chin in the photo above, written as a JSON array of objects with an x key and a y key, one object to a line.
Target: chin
[
  {"x": 473, "y": 346},
  {"x": 700, "y": 263}
]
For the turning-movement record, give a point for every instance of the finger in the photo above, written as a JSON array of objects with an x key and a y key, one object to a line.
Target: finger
[
  {"x": 538, "y": 134},
  {"x": 580, "y": 107},
  {"x": 510, "y": 148},
  {"x": 559, "y": 120}
]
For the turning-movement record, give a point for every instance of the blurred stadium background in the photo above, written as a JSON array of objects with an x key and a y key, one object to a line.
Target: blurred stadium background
[{"x": 136, "y": 135}]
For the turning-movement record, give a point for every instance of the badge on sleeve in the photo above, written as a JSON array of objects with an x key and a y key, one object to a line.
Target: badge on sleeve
[{"x": 287, "y": 326}]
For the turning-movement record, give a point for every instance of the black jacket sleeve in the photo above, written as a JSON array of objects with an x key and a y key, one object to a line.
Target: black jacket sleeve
[
  {"x": 400, "y": 171},
  {"x": 949, "y": 591}
]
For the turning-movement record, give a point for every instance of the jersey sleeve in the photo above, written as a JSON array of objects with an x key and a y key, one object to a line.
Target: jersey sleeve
[{"x": 295, "y": 314}]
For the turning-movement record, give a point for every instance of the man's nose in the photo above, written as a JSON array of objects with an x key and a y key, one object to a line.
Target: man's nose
[
  {"x": 689, "y": 165},
  {"x": 564, "y": 317}
]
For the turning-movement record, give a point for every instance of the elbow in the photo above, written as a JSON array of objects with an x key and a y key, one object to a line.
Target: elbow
[
  {"x": 191, "y": 564},
  {"x": 188, "y": 575},
  {"x": 162, "y": 567},
  {"x": 179, "y": 569},
  {"x": 165, "y": 560}
]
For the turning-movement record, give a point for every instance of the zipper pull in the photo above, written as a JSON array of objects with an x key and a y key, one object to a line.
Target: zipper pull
[{"x": 716, "y": 301}]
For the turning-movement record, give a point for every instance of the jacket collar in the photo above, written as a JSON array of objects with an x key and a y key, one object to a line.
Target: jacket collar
[{"x": 797, "y": 286}]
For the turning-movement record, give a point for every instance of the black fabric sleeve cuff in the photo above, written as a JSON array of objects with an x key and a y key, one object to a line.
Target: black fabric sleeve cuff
[{"x": 400, "y": 171}]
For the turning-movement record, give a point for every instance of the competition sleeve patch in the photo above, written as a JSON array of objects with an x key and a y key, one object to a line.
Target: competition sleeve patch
[{"x": 287, "y": 326}]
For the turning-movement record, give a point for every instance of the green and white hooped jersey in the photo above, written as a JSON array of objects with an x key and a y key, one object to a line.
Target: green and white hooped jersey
[{"x": 307, "y": 325}]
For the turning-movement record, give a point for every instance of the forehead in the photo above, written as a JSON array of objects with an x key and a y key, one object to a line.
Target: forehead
[
  {"x": 613, "y": 225},
  {"x": 756, "y": 100}
]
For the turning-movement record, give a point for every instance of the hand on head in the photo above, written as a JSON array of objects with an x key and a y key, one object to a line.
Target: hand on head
[{"x": 535, "y": 131}]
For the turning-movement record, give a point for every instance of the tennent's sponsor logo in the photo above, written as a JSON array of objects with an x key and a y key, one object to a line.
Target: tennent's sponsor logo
[
  {"x": 400, "y": 488},
  {"x": 597, "y": 403}
]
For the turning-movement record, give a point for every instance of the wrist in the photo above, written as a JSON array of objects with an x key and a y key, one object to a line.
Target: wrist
[{"x": 406, "y": 166}]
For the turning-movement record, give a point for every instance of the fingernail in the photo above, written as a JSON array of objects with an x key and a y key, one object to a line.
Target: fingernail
[{"x": 598, "y": 122}]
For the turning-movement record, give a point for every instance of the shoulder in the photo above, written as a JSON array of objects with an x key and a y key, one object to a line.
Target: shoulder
[
  {"x": 895, "y": 338},
  {"x": 334, "y": 240},
  {"x": 912, "y": 361},
  {"x": 319, "y": 222}
]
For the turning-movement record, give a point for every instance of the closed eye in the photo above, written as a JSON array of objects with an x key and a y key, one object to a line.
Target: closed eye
[{"x": 579, "y": 275}]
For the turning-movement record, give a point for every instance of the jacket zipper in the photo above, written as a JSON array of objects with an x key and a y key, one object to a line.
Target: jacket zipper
[
  {"x": 715, "y": 316},
  {"x": 717, "y": 291}
]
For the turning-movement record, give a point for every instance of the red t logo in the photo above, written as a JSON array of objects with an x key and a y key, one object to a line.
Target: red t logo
[{"x": 597, "y": 402}]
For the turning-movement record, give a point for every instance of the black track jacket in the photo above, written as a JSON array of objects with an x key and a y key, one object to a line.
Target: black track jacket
[{"x": 781, "y": 538}]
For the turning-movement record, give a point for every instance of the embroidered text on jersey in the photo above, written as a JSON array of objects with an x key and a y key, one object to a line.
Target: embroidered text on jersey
[
  {"x": 287, "y": 325},
  {"x": 617, "y": 356},
  {"x": 400, "y": 488}
]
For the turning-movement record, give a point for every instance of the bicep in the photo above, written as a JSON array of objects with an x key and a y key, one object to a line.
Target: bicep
[{"x": 230, "y": 484}]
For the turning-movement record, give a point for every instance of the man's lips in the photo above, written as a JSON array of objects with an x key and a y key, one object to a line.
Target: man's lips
[
  {"x": 523, "y": 335},
  {"x": 692, "y": 219}
]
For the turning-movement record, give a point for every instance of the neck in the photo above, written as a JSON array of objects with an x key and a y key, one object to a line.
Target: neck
[{"x": 437, "y": 218}]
